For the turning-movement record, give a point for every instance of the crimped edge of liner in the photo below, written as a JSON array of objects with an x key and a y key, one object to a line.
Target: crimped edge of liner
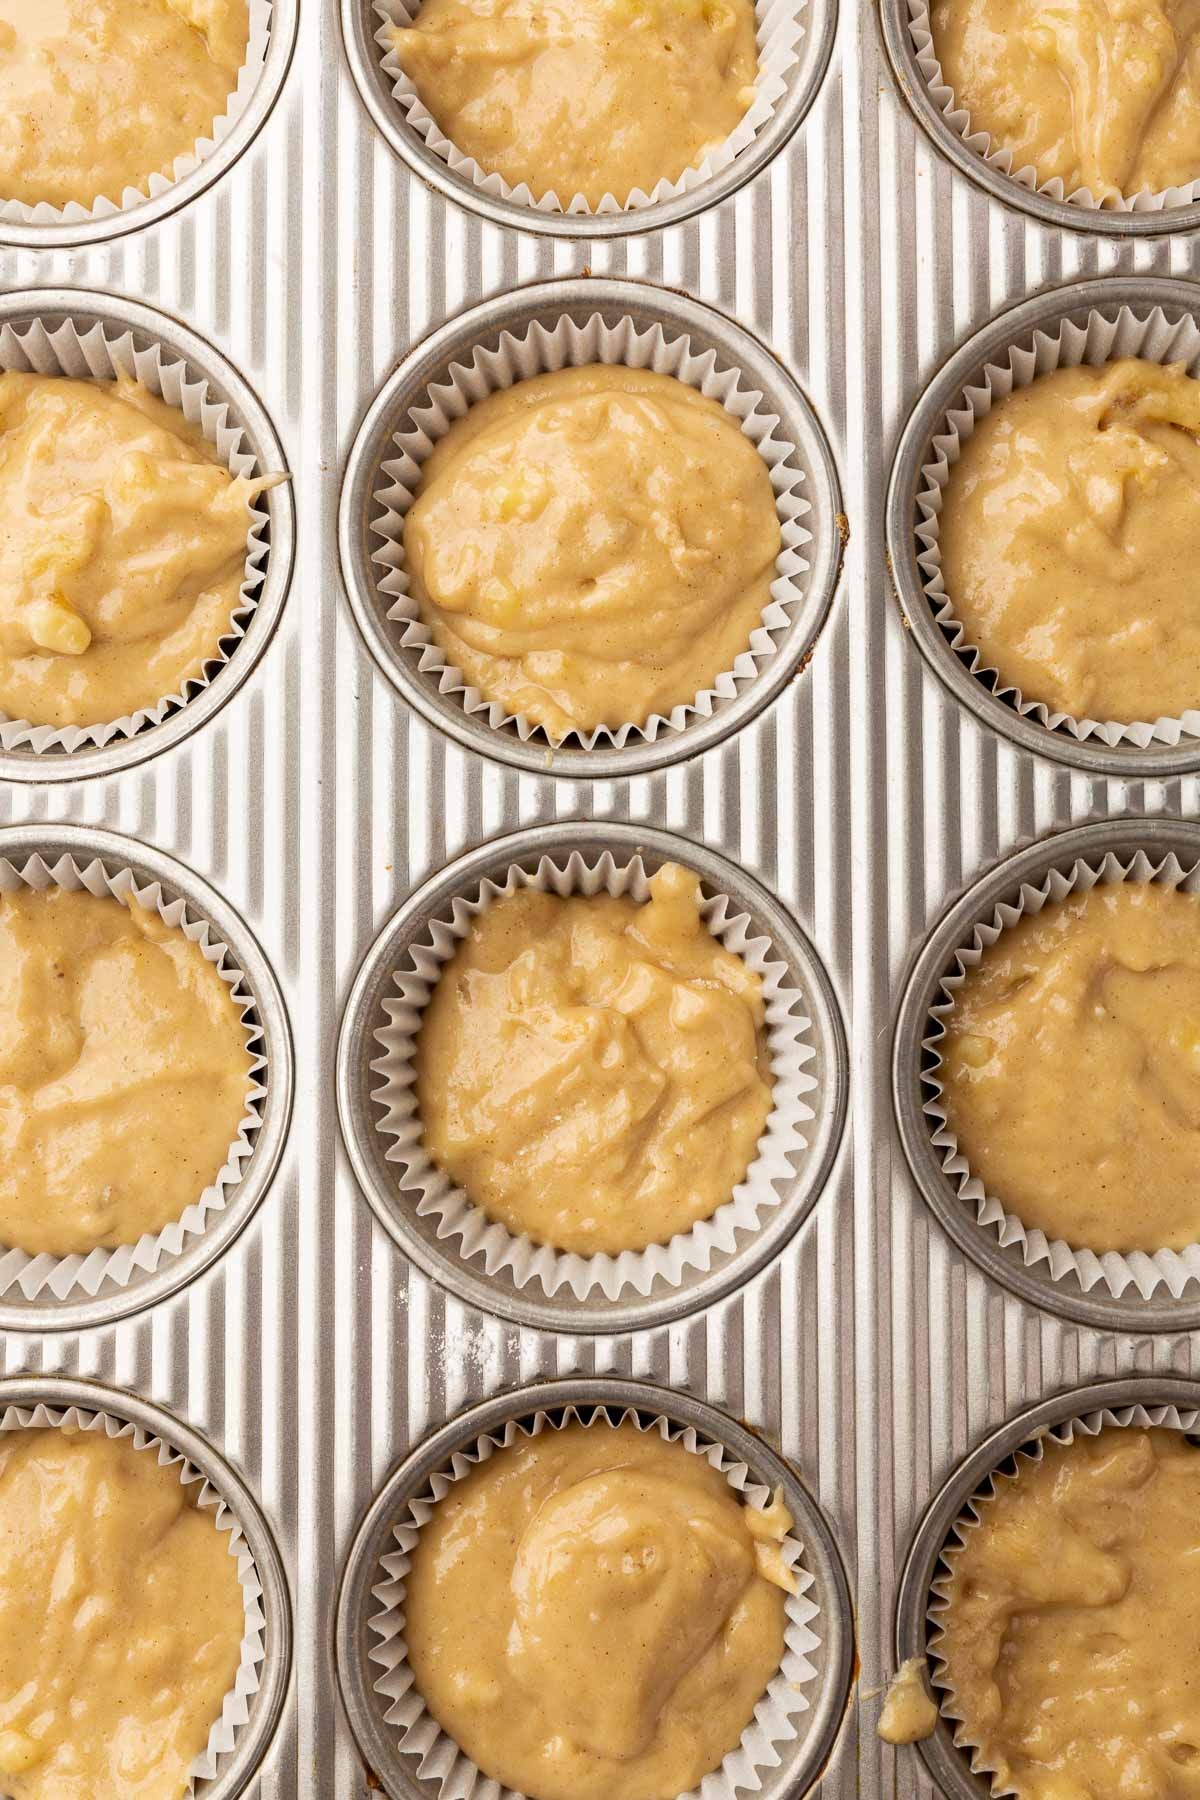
[
  {"x": 796, "y": 1095},
  {"x": 235, "y": 1709},
  {"x": 420, "y": 1734},
  {"x": 62, "y": 1275},
  {"x": 100, "y": 354},
  {"x": 780, "y": 26},
  {"x": 150, "y": 187},
  {"x": 533, "y": 351},
  {"x": 1027, "y": 1455},
  {"x": 1152, "y": 338},
  {"x": 998, "y": 158},
  {"x": 1115, "y": 1270}
]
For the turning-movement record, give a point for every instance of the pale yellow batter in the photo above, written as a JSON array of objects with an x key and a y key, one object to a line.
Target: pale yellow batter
[
  {"x": 593, "y": 546},
  {"x": 1070, "y": 537},
  {"x": 1102, "y": 94},
  {"x": 583, "y": 97},
  {"x": 593, "y": 1615},
  {"x": 594, "y": 1072},
  {"x": 1072, "y": 1627},
  {"x": 1072, "y": 1069},
  {"x": 98, "y": 95},
  {"x": 124, "y": 1072},
  {"x": 121, "y": 1620},
  {"x": 908, "y": 1713},
  {"x": 122, "y": 549}
]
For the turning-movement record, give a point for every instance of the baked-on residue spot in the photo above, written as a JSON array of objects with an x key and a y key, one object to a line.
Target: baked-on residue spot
[
  {"x": 121, "y": 1620},
  {"x": 588, "y": 1616},
  {"x": 1072, "y": 1622},
  {"x": 593, "y": 546},
  {"x": 124, "y": 1072},
  {"x": 592, "y": 1071}
]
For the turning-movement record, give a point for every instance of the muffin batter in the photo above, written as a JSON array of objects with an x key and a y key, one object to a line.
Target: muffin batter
[
  {"x": 587, "y": 1618},
  {"x": 139, "y": 1620},
  {"x": 122, "y": 549},
  {"x": 96, "y": 97},
  {"x": 583, "y": 97},
  {"x": 124, "y": 1072},
  {"x": 908, "y": 1713},
  {"x": 1072, "y": 1623},
  {"x": 1071, "y": 1069},
  {"x": 1070, "y": 534},
  {"x": 1100, "y": 94},
  {"x": 594, "y": 1072},
  {"x": 593, "y": 546}
]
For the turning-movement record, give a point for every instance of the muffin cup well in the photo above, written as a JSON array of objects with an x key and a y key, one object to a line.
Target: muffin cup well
[
  {"x": 436, "y": 1222},
  {"x": 1158, "y": 1289},
  {"x": 90, "y": 337},
  {"x": 781, "y": 1751},
  {"x": 47, "y": 1292},
  {"x": 1143, "y": 1401}
]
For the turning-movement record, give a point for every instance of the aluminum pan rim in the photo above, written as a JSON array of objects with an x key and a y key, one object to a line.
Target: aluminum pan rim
[
  {"x": 580, "y": 297},
  {"x": 1105, "y": 294},
  {"x": 85, "y": 233},
  {"x": 378, "y": 1181},
  {"x": 1058, "y": 213},
  {"x": 255, "y": 1736},
  {"x": 375, "y": 91},
  {"x": 77, "y": 1313},
  {"x": 1102, "y": 1309},
  {"x": 945, "y": 1762},
  {"x": 87, "y": 307},
  {"x": 821, "y": 1557}
]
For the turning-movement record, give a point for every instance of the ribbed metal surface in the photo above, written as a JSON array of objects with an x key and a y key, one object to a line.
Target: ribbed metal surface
[{"x": 871, "y": 1352}]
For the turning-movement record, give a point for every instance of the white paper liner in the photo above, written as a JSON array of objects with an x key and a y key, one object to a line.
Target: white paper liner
[
  {"x": 972, "y": 1516},
  {"x": 1153, "y": 338},
  {"x": 18, "y": 212},
  {"x": 62, "y": 1275},
  {"x": 779, "y": 31},
  {"x": 1140, "y": 1270},
  {"x": 441, "y": 1760},
  {"x": 235, "y": 1711},
  {"x": 785, "y": 1135},
  {"x": 537, "y": 351},
  {"x": 1001, "y": 159},
  {"x": 101, "y": 354}
]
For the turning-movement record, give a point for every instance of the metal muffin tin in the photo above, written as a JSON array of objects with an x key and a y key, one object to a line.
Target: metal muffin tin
[
  {"x": 950, "y": 1766},
  {"x": 368, "y": 1147},
  {"x": 801, "y": 1760},
  {"x": 546, "y": 303}
]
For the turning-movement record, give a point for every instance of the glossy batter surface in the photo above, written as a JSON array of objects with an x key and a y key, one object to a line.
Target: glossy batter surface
[
  {"x": 1070, "y": 536},
  {"x": 587, "y": 1618},
  {"x": 593, "y": 1071},
  {"x": 122, "y": 549},
  {"x": 1103, "y": 94},
  {"x": 97, "y": 97},
  {"x": 593, "y": 545},
  {"x": 123, "y": 1072},
  {"x": 1071, "y": 1068},
  {"x": 1072, "y": 1630},
  {"x": 583, "y": 97},
  {"x": 121, "y": 1620}
]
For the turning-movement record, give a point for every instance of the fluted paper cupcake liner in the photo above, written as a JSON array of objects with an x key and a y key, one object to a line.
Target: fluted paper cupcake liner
[
  {"x": 539, "y": 351},
  {"x": 1143, "y": 1271},
  {"x": 101, "y": 354},
  {"x": 795, "y": 1098},
  {"x": 973, "y": 1516},
  {"x": 1001, "y": 159},
  {"x": 1153, "y": 338},
  {"x": 63, "y": 1275},
  {"x": 779, "y": 31},
  {"x": 235, "y": 1711},
  {"x": 440, "y": 1758}
]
